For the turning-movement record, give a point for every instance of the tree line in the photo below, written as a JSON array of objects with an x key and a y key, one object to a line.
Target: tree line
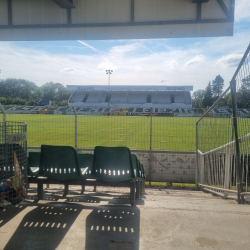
[
  {"x": 23, "y": 92},
  {"x": 205, "y": 98}
]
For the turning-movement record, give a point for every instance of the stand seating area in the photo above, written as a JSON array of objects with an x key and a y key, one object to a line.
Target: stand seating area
[{"x": 108, "y": 166}]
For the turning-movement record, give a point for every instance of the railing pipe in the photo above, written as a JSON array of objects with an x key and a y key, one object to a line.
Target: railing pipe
[
  {"x": 238, "y": 166},
  {"x": 4, "y": 123},
  {"x": 197, "y": 159},
  {"x": 75, "y": 127}
]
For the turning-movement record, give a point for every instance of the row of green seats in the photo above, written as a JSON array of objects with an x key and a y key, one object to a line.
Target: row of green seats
[{"x": 107, "y": 163}]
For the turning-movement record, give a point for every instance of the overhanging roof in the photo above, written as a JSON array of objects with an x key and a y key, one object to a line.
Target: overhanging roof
[{"x": 66, "y": 4}]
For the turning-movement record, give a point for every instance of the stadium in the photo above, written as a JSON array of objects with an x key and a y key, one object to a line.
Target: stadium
[
  {"x": 118, "y": 138},
  {"x": 125, "y": 96}
]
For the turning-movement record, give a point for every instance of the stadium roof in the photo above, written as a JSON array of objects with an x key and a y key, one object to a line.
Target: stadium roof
[{"x": 130, "y": 88}]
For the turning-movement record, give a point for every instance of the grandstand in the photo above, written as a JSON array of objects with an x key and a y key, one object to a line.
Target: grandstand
[
  {"x": 131, "y": 96},
  {"x": 131, "y": 111}
]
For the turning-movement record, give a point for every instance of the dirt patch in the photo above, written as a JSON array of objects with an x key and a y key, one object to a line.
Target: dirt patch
[{"x": 207, "y": 242}]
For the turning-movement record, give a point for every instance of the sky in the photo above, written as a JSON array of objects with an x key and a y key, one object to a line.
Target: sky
[{"x": 180, "y": 61}]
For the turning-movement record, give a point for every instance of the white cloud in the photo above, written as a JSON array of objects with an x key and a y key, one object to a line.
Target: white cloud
[
  {"x": 123, "y": 49},
  {"x": 87, "y": 45},
  {"x": 195, "y": 60},
  {"x": 138, "y": 68},
  {"x": 231, "y": 60},
  {"x": 171, "y": 64},
  {"x": 242, "y": 10},
  {"x": 107, "y": 65},
  {"x": 68, "y": 70}
]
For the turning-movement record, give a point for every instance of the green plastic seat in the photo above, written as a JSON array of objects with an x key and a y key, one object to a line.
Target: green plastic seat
[
  {"x": 33, "y": 164},
  {"x": 143, "y": 173},
  {"x": 113, "y": 164},
  {"x": 85, "y": 162},
  {"x": 59, "y": 162},
  {"x": 140, "y": 168},
  {"x": 136, "y": 166}
]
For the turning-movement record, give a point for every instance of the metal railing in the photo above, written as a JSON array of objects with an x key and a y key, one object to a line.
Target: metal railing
[
  {"x": 163, "y": 142},
  {"x": 222, "y": 144}
]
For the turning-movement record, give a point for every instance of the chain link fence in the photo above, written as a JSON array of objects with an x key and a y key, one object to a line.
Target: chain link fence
[
  {"x": 223, "y": 153},
  {"x": 85, "y": 129},
  {"x": 13, "y": 163}
]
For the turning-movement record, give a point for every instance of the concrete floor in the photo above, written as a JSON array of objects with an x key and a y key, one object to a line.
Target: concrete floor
[{"x": 162, "y": 219}]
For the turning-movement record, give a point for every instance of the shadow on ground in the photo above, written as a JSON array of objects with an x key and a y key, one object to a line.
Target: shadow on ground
[
  {"x": 111, "y": 197},
  {"x": 7, "y": 214},
  {"x": 113, "y": 227},
  {"x": 44, "y": 227}
]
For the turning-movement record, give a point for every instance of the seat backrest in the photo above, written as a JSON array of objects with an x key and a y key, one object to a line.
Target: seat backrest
[
  {"x": 143, "y": 172},
  {"x": 136, "y": 166},
  {"x": 59, "y": 162},
  {"x": 85, "y": 162},
  {"x": 34, "y": 159},
  {"x": 113, "y": 164},
  {"x": 140, "y": 168},
  {"x": 33, "y": 163}
]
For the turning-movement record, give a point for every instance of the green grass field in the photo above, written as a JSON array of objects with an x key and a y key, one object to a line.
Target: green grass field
[{"x": 168, "y": 133}]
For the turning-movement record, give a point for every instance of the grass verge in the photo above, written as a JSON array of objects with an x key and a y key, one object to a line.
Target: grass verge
[{"x": 188, "y": 186}]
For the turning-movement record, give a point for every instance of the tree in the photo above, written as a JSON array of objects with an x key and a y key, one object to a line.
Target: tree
[
  {"x": 197, "y": 98},
  {"x": 23, "y": 89},
  {"x": 23, "y": 92},
  {"x": 243, "y": 95},
  {"x": 197, "y": 103},
  {"x": 199, "y": 94},
  {"x": 62, "y": 93},
  {"x": 55, "y": 92},
  {"x": 217, "y": 86},
  {"x": 226, "y": 101},
  {"x": 48, "y": 91},
  {"x": 246, "y": 83},
  {"x": 208, "y": 96}
]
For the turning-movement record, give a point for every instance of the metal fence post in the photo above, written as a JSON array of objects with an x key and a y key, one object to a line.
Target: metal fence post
[
  {"x": 202, "y": 169},
  {"x": 227, "y": 168},
  {"x": 237, "y": 146},
  {"x": 4, "y": 123},
  {"x": 75, "y": 127},
  {"x": 150, "y": 148},
  {"x": 197, "y": 159}
]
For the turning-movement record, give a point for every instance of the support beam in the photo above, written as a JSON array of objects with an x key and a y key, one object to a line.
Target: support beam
[
  {"x": 65, "y": 4},
  {"x": 232, "y": 9},
  {"x": 83, "y": 189},
  {"x": 69, "y": 16},
  {"x": 200, "y": 1},
  {"x": 66, "y": 190},
  {"x": 137, "y": 194},
  {"x": 132, "y": 17},
  {"x": 224, "y": 7},
  {"x": 198, "y": 11},
  {"x": 40, "y": 189},
  {"x": 119, "y": 24},
  {"x": 9, "y": 12},
  {"x": 132, "y": 193}
]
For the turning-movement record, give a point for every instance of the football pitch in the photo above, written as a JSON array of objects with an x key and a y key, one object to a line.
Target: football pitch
[{"x": 135, "y": 132}]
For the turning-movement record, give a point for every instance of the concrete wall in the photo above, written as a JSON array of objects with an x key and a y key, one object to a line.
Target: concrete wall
[
  {"x": 168, "y": 166},
  {"x": 46, "y": 12}
]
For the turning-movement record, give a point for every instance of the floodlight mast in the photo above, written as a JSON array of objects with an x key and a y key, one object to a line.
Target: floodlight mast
[{"x": 109, "y": 72}]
